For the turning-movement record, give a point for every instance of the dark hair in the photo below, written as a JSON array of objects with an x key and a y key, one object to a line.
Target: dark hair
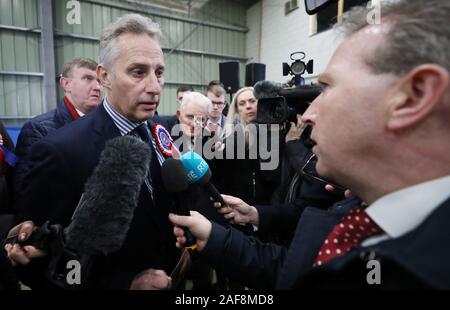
[{"x": 184, "y": 88}]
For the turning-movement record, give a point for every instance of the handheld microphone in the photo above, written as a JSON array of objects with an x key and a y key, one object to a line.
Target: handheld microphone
[
  {"x": 175, "y": 181},
  {"x": 104, "y": 213},
  {"x": 103, "y": 216},
  {"x": 198, "y": 172}
]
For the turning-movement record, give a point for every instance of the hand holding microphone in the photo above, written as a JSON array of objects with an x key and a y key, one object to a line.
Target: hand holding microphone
[
  {"x": 198, "y": 225},
  {"x": 18, "y": 244},
  {"x": 104, "y": 213}
]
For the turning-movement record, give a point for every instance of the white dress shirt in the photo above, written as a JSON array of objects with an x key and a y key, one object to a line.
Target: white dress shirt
[{"x": 402, "y": 211}]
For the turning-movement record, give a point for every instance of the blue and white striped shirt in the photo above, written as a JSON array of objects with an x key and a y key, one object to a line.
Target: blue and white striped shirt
[{"x": 126, "y": 126}]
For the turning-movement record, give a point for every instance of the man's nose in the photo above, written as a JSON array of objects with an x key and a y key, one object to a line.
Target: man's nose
[
  {"x": 310, "y": 115},
  {"x": 152, "y": 84},
  {"x": 97, "y": 85}
]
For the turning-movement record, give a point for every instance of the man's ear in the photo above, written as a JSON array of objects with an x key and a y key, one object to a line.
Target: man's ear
[
  {"x": 178, "y": 113},
  {"x": 417, "y": 95},
  {"x": 103, "y": 76},
  {"x": 65, "y": 83}
]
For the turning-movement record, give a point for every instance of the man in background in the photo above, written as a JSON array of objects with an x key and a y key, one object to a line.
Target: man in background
[
  {"x": 82, "y": 95},
  {"x": 216, "y": 93}
]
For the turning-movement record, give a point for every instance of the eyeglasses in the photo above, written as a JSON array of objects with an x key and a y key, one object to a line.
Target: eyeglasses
[
  {"x": 308, "y": 170},
  {"x": 219, "y": 104}
]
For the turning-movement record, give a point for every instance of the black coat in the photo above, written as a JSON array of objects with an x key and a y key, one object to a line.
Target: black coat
[
  {"x": 60, "y": 165},
  {"x": 243, "y": 177},
  {"x": 418, "y": 259}
]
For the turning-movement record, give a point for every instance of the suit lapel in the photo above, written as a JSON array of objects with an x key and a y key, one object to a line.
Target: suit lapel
[{"x": 312, "y": 229}]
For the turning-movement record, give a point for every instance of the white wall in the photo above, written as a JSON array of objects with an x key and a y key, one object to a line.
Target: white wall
[
  {"x": 253, "y": 36},
  {"x": 283, "y": 35}
]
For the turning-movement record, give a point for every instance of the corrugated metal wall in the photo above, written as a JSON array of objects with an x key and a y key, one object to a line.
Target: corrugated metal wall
[
  {"x": 20, "y": 89},
  {"x": 213, "y": 34}
]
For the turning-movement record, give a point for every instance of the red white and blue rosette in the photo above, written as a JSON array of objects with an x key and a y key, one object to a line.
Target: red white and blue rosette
[{"x": 163, "y": 139}]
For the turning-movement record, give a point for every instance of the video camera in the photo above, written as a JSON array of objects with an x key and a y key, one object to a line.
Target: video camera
[{"x": 280, "y": 103}]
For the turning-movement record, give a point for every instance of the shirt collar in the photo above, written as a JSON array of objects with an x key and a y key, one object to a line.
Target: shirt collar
[
  {"x": 219, "y": 121},
  {"x": 81, "y": 114},
  {"x": 402, "y": 211},
  {"x": 124, "y": 125}
]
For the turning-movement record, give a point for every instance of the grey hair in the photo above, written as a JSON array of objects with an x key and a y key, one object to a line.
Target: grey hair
[
  {"x": 196, "y": 98},
  {"x": 129, "y": 23},
  {"x": 418, "y": 33}
]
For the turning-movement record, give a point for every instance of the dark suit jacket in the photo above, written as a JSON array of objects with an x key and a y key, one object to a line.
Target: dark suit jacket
[
  {"x": 418, "y": 259},
  {"x": 60, "y": 165},
  {"x": 34, "y": 130}
]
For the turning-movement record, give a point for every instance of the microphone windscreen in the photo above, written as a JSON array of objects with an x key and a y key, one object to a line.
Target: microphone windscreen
[
  {"x": 267, "y": 89},
  {"x": 195, "y": 166},
  {"x": 174, "y": 175},
  {"x": 103, "y": 216}
]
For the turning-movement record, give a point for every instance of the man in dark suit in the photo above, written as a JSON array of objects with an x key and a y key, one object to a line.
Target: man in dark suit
[
  {"x": 82, "y": 95},
  {"x": 381, "y": 128},
  {"x": 131, "y": 68}
]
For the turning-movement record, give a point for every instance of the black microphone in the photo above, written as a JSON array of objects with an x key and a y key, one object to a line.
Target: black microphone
[{"x": 175, "y": 181}]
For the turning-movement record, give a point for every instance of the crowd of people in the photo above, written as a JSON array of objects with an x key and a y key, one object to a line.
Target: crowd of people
[{"x": 380, "y": 128}]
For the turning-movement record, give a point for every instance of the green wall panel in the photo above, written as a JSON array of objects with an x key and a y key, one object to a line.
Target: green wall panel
[{"x": 20, "y": 51}]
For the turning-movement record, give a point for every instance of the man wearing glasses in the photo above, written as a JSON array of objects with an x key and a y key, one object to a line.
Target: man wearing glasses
[{"x": 216, "y": 93}]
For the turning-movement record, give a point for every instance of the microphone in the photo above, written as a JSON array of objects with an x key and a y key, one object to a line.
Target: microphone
[
  {"x": 198, "y": 172},
  {"x": 103, "y": 215},
  {"x": 267, "y": 89},
  {"x": 175, "y": 181}
]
